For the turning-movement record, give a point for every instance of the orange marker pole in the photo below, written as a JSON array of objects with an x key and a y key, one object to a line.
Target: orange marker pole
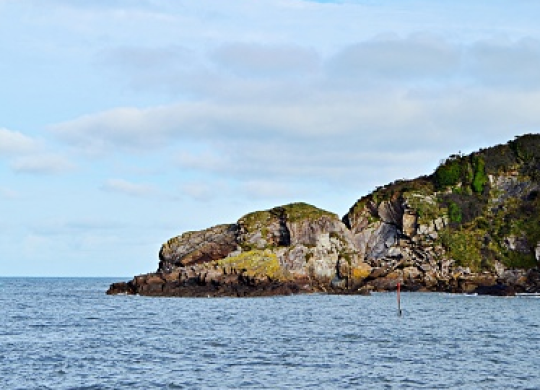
[{"x": 399, "y": 298}]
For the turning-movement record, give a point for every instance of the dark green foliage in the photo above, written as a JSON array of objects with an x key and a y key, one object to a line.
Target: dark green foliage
[
  {"x": 449, "y": 173},
  {"x": 482, "y": 218},
  {"x": 464, "y": 247},
  {"x": 469, "y": 207},
  {"x": 526, "y": 147},
  {"x": 454, "y": 213},
  {"x": 527, "y": 151},
  {"x": 480, "y": 177},
  {"x": 498, "y": 159},
  {"x": 513, "y": 259},
  {"x": 528, "y": 215}
]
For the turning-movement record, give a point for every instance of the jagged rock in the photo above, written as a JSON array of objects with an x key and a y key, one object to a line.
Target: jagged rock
[
  {"x": 411, "y": 273},
  {"x": 469, "y": 284},
  {"x": 395, "y": 252},
  {"x": 463, "y": 228},
  {"x": 517, "y": 244},
  {"x": 383, "y": 284},
  {"x": 439, "y": 224},
  {"x": 430, "y": 280},
  {"x": 198, "y": 247},
  {"x": 308, "y": 241},
  {"x": 121, "y": 288},
  {"x": 378, "y": 272},
  {"x": 397, "y": 275},
  {"x": 374, "y": 242},
  {"x": 409, "y": 224},
  {"x": 338, "y": 283},
  {"x": 499, "y": 268},
  {"x": 391, "y": 212}
]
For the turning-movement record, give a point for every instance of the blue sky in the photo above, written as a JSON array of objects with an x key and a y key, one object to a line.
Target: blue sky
[{"x": 124, "y": 123}]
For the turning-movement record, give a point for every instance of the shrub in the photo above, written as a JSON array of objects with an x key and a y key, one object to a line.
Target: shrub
[
  {"x": 448, "y": 173},
  {"x": 480, "y": 178},
  {"x": 526, "y": 147},
  {"x": 454, "y": 213},
  {"x": 469, "y": 205},
  {"x": 464, "y": 247},
  {"x": 513, "y": 259}
]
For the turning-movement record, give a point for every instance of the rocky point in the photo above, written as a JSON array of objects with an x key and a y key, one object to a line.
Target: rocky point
[{"x": 473, "y": 226}]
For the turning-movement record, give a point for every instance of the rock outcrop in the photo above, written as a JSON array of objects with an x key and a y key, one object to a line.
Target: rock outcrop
[
  {"x": 473, "y": 226},
  {"x": 288, "y": 249}
]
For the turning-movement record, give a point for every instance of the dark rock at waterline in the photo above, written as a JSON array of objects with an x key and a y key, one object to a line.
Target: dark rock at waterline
[
  {"x": 499, "y": 290},
  {"x": 220, "y": 284},
  {"x": 121, "y": 288}
]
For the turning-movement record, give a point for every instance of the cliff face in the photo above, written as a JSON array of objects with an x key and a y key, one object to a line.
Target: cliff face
[{"x": 473, "y": 225}]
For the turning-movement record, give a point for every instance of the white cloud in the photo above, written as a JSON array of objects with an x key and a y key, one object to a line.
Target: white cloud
[
  {"x": 503, "y": 63},
  {"x": 393, "y": 104},
  {"x": 256, "y": 60},
  {"x": 420, "y": 56},
  {"x": 42, "y": 164},
  {"x": 266, "y": 189},
  {"x": 201, "y": 191},
  {"x": 128, "y": 188},
  {"x": 14, "y": 143},
  {"x": 59, "y": 226},
  {"x": 8, "y": 193}
]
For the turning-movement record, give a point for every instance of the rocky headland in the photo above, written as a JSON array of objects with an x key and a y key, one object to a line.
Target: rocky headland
[{"x": 473, "y": 226}]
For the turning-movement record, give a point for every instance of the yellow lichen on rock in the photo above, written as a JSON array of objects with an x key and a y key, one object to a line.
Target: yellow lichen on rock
[
  {"x": 255, "y": 262},
  {"x": 362, "y": 271}
]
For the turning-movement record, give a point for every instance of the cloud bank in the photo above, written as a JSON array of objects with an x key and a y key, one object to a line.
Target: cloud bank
[{"x": 290, "y": 112}]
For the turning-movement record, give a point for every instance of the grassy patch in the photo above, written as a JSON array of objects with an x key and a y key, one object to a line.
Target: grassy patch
[{"x": 297, "y": 212}]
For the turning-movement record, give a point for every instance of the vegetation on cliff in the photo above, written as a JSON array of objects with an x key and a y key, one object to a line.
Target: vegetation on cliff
[{"x": 490, "y": 198}]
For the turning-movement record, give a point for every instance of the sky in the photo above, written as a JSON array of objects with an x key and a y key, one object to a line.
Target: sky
[{"x": 124, "y": 123}]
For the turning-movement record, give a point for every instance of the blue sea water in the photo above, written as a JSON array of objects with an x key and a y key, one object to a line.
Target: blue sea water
[{"x": 67, "y": 334}]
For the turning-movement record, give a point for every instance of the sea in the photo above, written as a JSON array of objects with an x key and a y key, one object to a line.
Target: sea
[{"x": 66, "y": 333}]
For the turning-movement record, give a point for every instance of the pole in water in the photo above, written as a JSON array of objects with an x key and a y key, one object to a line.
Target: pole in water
[{"x": 399, "y": 299}]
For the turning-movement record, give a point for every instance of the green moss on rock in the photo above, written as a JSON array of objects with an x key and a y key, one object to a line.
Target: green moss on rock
[
  {"x": 297, "y": 212},
  {"x": 293, "y": 212}
]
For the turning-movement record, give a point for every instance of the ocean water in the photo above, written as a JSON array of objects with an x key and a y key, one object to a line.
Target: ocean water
[{"x": 67, "y": 334}]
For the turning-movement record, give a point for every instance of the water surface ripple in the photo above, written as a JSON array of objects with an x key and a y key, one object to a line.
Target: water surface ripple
[{"x": 67, "y": 334}]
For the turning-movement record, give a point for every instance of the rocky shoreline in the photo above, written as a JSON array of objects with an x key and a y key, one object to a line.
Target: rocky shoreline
[
  {"x": 473, "y": 226},
  {"x": 222, "y": 282}
]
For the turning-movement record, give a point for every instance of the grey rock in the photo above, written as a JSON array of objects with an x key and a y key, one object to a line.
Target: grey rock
[{"x": 409, "y": 224}]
